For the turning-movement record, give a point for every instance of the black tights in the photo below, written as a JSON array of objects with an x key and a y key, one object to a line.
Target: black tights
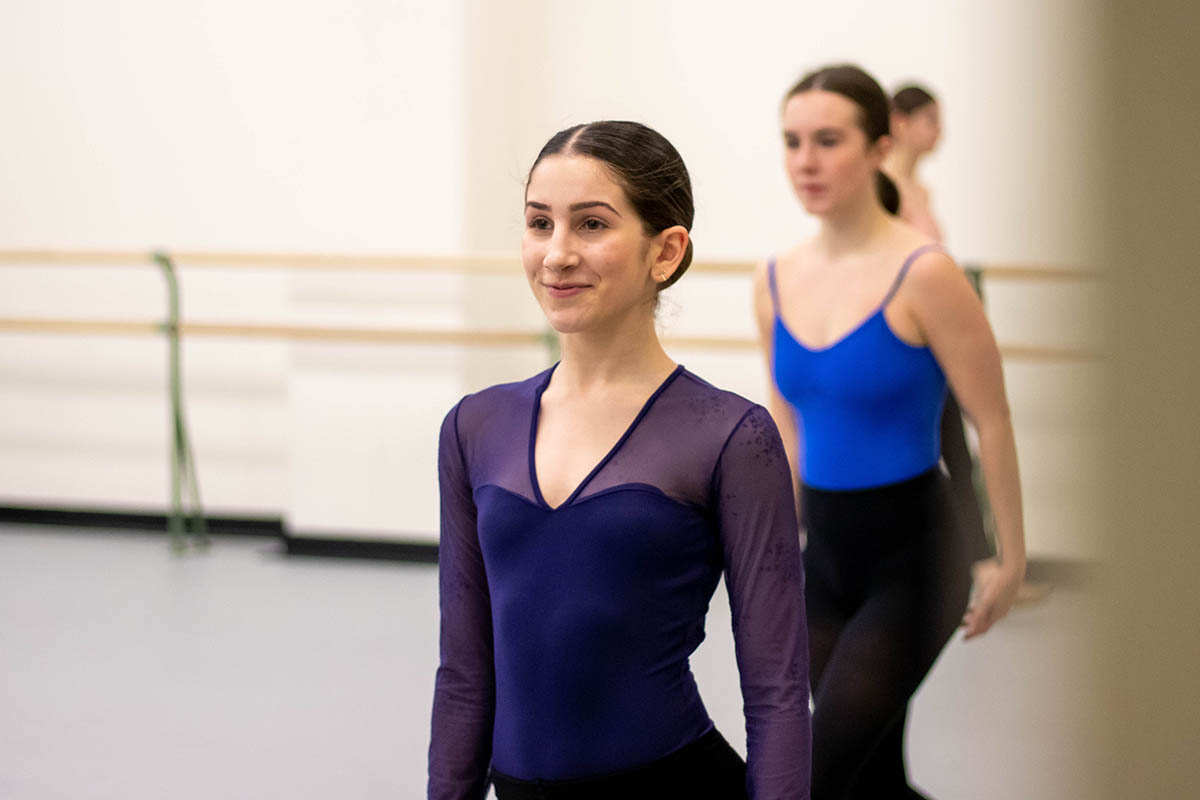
[
  {"x": 887, "y": 584},
  {"x": 957, "y": 458},
  {"x": 706, "y": 769}
]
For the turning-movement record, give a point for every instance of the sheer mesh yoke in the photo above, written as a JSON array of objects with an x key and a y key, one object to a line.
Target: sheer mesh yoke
[{"x": 595, "y": 606}]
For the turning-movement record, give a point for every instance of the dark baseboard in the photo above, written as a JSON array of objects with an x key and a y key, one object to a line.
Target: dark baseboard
[
  {"x": 124, "y": 520},
  {"x": 1063, "y": 571},
  {"x": 325, "y": 545},
  {"x": 383, "y": 550}
]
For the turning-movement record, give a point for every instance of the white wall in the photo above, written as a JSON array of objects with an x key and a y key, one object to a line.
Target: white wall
[
  {"x": 310, "y": 126},
  {"x": 385, "y": 126},
  {"x": 318, "y": 124}
]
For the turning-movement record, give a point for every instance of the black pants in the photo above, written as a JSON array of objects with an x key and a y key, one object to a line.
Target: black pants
[
  {"x": 706, "y": 769},
  {"x": 887, "y": 584}
]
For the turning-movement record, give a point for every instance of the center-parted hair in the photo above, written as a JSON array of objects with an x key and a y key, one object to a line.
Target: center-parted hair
[
  {"x": 908, "y": 99},
  {"x": 648, "y": 168},
  {"x": 874, "y": 112}
]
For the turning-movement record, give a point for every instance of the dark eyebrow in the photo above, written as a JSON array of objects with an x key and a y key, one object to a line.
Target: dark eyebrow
[
  {"x": 574, "y": 206},
  {"x": 594, "y": 204},
  {"x": 826, "y": 131}
]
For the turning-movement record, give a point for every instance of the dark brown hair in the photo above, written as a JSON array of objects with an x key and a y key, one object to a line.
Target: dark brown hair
[
  {"x": 647, "y": 167},
  {"x": 908, "y": 99},
  {"x": 874, "y": 110}
]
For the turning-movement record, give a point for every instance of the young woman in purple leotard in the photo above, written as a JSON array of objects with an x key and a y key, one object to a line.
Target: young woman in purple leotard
[
  {"x": 863, "y": 325},
  {"x": 589, "y": 512}
]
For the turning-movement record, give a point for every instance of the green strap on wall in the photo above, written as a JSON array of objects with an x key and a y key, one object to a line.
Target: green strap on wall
[
  {"x": 975, "y": 276},
  {"x": 550, "y": 342},
  {"x": 185, "y": 521}
]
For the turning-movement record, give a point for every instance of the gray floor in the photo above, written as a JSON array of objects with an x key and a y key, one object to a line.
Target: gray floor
[{"x": 126, "y": 672}]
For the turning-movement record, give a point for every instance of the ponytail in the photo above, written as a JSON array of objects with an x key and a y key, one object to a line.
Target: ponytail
[{"x": 889, "y": 194}]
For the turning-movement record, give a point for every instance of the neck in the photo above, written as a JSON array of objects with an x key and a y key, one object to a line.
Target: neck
[
  {"x": 626, "y": 351},
  {"x": 902, "y": 163},
  {"x": 853, "y": 227}
]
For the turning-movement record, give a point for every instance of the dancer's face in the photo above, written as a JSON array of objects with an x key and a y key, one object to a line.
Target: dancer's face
[
  {"x": 826, "y": 153},
  {"x": 586, "y": 254},
  {"x": 920, "y": 129}
]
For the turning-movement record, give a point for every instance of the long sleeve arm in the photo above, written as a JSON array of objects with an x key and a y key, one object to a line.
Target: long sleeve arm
[
  {"x": 464, "y": 697},
  {"x": 765, "y": 578}
]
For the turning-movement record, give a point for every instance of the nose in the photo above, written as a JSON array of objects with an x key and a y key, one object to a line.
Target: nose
[
  {"x": 803, "y": 157},
  {"x": 808, "y": 157},
  {"x": 560, "y": 252}
]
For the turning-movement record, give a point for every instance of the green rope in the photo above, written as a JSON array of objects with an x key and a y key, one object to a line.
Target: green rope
[
  {"x": 550, "y": 342},
  {"x": 975, "y": 276},
  {"x": 186, "y": 527}
]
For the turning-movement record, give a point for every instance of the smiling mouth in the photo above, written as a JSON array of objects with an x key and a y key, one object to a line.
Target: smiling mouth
[{"x": 565, "y": 289}]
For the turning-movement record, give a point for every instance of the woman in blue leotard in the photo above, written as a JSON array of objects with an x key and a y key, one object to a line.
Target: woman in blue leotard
[
  {"x": 589, "y": 512},
  {"x": 862, "y": 326}
]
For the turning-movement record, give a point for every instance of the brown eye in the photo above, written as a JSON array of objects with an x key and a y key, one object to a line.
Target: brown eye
[
  {"x": 594, "y": 224},
  {"x": 539, "y": 224}
]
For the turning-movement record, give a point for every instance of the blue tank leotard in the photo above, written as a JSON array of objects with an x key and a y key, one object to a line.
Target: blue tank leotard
[{"x": 869, "y": 405}]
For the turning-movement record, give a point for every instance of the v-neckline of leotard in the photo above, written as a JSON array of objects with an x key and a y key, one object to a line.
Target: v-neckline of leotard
[
  {"x": 533, "y": 430},
  {"x": 850, "y": 334},
  {"x": 880, "y": 311}
]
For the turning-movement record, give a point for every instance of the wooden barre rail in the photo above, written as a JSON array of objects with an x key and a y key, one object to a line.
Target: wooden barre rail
[
  {"x": 477, "y": 263},
  {"x": 498, "y": 338},
  {"x": 478, "y": 338}
]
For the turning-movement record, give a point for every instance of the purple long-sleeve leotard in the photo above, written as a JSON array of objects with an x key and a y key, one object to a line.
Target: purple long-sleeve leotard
[{"x": 566, "y": 631}]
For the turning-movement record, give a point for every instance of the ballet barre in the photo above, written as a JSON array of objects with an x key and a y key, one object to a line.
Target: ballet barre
[
  {"x": 472, "y": 263},
  {"x": 424, "y": 336},
  {"x": 294, "y": 333}
]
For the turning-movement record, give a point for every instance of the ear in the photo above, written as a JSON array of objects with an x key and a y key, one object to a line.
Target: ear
[
  {"x": 880, "y": 149},
  {"x": 670, "y": 247}
]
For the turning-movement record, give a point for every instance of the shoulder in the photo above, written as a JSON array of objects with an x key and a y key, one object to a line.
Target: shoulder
[
  {"x": 495, "y": 405},
  {"x": 935, "y": 269},
  {"x": 719, "y": 428},
  {"x": 785, "y": 262},
  {"x": 929, "y": 258},
  {"x": 764, "y": 304},
  {"x": 698, "y": 389},
  {"x": 752, "y": 441},
  {"x": 795, "y": 257},
  {"x": 719, "y": 411},
  {"x": 937, "y": 288}
]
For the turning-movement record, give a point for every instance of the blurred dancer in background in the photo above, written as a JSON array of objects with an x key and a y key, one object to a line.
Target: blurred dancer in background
[
  {"x": 916, "y": 125},
  {"x": 863, "y": 325},
  {"x": 916, "y": 128}
]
